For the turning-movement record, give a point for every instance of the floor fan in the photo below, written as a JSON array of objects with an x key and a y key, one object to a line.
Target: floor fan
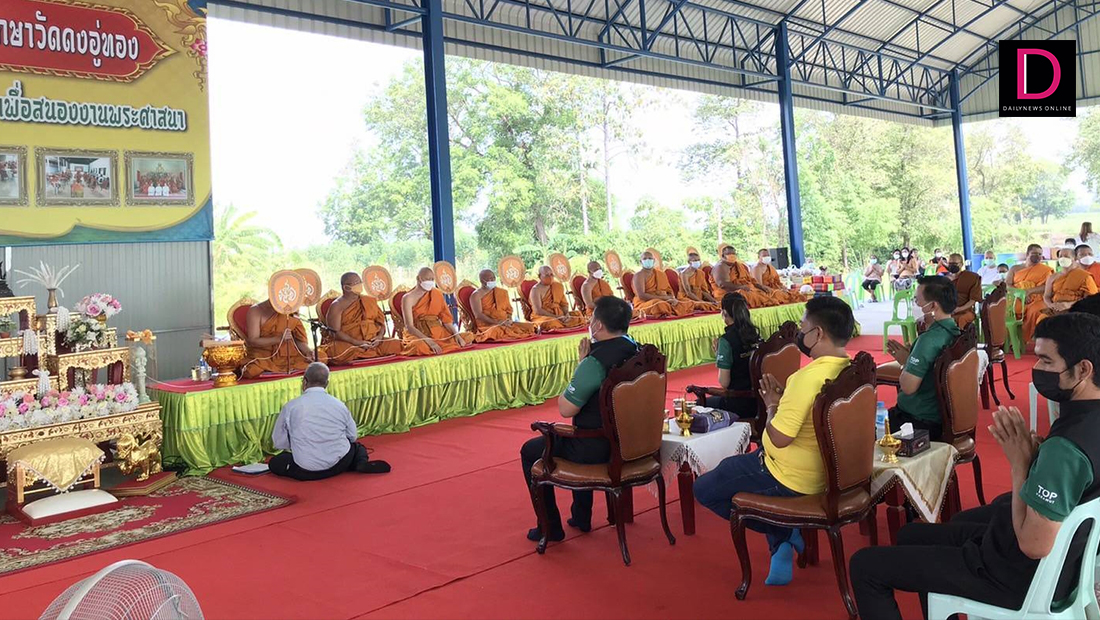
[{"x": 126, "y": 590}]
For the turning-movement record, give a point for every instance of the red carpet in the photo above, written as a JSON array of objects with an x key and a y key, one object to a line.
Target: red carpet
[{"x": 442, "y": 536}]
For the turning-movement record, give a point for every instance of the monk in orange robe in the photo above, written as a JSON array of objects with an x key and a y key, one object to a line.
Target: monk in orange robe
[
  {"x": 731, "y": 275},
  {"x": 1062, "y": 290},
  {"x": 493, "y": 313},
  {"x": 595, "y": 287},
  {"x": 358, "y": 326},
  {"x": 653, "y": 293},
  {"x": 767, "y": 278},
  {"x": 1088, "y": 263},
  {"x": 429, "y": 326},
  {"x": 1030, "y": 276},
  {"x": 549, "y": 306},
  {"x": 274, "y": 342},
  {"x": 968, "y": 290},
  {"x": 695, "y": 287}
]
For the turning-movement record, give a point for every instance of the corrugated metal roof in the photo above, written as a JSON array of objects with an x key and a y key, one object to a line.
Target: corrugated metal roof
[{"x": 883, "y": 58}]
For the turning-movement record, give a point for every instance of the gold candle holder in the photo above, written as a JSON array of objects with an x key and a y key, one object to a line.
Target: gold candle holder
[{"x": 889, "y": 445}]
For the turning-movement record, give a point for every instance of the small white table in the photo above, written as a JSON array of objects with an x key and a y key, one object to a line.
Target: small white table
[
  {"x": 922, "y": 479},
  {"x": 688, "y": 457}
]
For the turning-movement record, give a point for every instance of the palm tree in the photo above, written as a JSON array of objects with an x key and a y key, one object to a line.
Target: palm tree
[{"x": 236, "y": 238}]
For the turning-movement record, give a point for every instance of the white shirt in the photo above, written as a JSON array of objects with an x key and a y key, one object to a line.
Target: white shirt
[
  {"x": 317, "y": 428},
  {"x": 1093, "y": 242},
  {"x": 989, "y": 275}
]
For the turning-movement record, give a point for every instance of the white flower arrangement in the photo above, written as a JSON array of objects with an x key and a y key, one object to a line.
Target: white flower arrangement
[
  {"x": 86, "y": 333},
  {"x": 99, "y": 304},
  {"x": 21, "y": 409}
]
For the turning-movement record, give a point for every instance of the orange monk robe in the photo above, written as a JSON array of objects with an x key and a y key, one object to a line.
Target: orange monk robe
[
  {"x": 259, "y": 360},
  {"x": 603, "y": 289},
  {"x": 741, "y": 276},
  {"x": 362, "y": 320},
  {"x": 496, "y": 305},
  {"x": 968, "y": 287},
  {"x": 554, "y": 302},
  {"x": 657, "y": 284},
  {"x": 699, "y": 283},
  {"x": 430, "y": 315},
  {"x": 780, "y": 294},
  {"x": 1072, "y": 287},
  {"x": 1031, "y": 277},
  {"x": 1094, "y": 271}
]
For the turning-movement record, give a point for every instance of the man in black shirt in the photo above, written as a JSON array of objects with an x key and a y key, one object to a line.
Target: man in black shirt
[
  {"x": 990, "y": 554},
  {"x": 608, "y": 346}
]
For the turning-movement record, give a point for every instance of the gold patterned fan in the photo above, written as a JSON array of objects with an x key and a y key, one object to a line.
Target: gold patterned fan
[
  {"x": 313, "y": 289},
  {"x": 614, "y": 263},
  {"x": 286, "y": 291},
  {"x": 511, "y": 270},
  {"x": 377, "y": 282},
  {"x": 445, "y": 277},
  {"x": 559, "y": 264}
]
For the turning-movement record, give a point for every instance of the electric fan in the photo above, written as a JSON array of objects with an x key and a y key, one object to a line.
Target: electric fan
[{"x": 126, "y": 590}]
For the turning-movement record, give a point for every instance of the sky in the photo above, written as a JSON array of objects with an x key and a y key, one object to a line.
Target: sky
[{"x": 286, "y": 121}]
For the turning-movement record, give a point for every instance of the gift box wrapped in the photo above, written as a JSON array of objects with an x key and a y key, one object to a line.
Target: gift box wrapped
[
  {"x": 914, "y": 444},
  {"x": 818, "y": 279}
]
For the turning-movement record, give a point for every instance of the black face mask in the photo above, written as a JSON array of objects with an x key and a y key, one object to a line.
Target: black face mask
[
  {"x": 1047, "y": 384},
  {"x": 800, "y": 342},
  {"x": 954, "y": 268}
]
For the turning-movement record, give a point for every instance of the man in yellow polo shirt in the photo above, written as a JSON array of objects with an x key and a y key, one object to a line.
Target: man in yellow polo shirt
[{"x": 790, "y": 462}]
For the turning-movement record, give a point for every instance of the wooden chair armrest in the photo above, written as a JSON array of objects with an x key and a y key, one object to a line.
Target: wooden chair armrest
[
  {"x": 724, "y": 393},
  {"x": 561, "y": 429}
]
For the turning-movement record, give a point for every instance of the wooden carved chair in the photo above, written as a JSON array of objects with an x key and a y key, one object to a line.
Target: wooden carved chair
[
  {"x": 632, "y": 401},
  {"x": 237, "y": 325},
  {"x": 465, "y": 290},
  {"x": 578, "y": 299},
  {"x": 396, "y": 316},
  {"x": 956, "y": 373},
  {"x": 324, "y": 303},
  {"x": 844, "y": 419},
  {"x": 778, "y": 356},
  {"x": 627, "y": 284},
  {"x": 673, "y": 280},
  {"x": 525, "y": 298},
  {"x": 994, "y": 312}
]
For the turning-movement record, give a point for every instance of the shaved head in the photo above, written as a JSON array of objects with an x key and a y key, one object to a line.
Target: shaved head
[
  {"x": 350, "y": 279},
  {"x": 647, "y": 254},
  {"x": 593, "y": 266},
  {"x": 486, "y": 275},
  {"x": 316, "y": 375},
  {"x": 693, "y": 256},
  {"x": 545, "y": 272},
  {"x": 728, "y": 250},
  {"x": 425, "y": 274}
]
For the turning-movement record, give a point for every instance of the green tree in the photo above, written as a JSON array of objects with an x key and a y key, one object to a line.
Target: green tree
[
  {"x": 1049, "y": 196},
  {"x": 1085, "y": 153}
]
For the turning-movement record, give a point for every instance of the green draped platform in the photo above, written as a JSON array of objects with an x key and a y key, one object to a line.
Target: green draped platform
[{"x": 211, "y": 428}]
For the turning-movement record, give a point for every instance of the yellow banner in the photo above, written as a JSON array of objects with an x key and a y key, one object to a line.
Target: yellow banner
[{"x": 104, "y": 121}]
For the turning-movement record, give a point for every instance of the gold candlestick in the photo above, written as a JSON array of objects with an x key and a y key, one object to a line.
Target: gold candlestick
[{"x": 889, "y": 445}]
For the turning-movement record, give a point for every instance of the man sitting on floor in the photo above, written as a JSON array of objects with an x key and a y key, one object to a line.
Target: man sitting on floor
[
  {"x": 918, "y": 405},
  {"x": 608, "y": 347},
  {"x": 275, "y": 342},
  {"x": 653, "y": 292},
  {"x": 790, "y": 463},
  {"x": 493, "y": 312},
  {"x": 695, "y": 286},
  {"x": 989, "y": 554},
  {"x": 767, "y": 276},
  {"x": 320, "y": 435},
  {"x": 549, "y": 305},
  {"x": 358, "y": 326},
  {"x": 429, "y": 326}
]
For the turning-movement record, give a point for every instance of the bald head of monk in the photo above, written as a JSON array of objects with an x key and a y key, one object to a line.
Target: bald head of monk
[
  {"x": 351, "y": 283},
  {"x": 729, "y": 254},
  {"x": 546, "y": 275},
  {"x": 593, "y": 267},
  {"x": 1034, "y": 253},
  {"x": 425, "y": 278},
  {"x": 486, "y": 276}
]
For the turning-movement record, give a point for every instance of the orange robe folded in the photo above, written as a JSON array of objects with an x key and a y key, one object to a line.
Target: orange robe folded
[
  {"x": 496, "y": 305},
  {"x": 1073, "y": 286},
  {"x": 780, "y": 294},
  {"x": 741, "y": 276},
  {"x": 430, "y": 315},
  {"x": 362, "y": 320},
  {"x": 658, "y": 284},
  {"x": 698, "y": 282},
  {"x": 554, "y": 302},
  {"x": 259, "y": 360}
]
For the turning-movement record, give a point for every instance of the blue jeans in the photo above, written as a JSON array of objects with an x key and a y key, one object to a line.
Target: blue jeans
[{"x": 745, "y": 473}]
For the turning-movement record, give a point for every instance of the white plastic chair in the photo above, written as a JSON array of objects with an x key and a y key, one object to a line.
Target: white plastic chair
[
  {"x": 1033, "y": 401},
  {"x": 1040, "y": 596}
]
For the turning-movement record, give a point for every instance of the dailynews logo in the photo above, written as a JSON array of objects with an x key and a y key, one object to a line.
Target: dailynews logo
[{"x": 1038, "y": 78}]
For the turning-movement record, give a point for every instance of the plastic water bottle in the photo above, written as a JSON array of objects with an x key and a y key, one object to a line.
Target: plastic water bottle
[{"x": 880, "y": 420}]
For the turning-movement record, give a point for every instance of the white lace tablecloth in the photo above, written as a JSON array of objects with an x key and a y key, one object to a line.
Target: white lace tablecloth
[
  {"x": 702, "y": 452},
  {"x": 923, "y": 477}
]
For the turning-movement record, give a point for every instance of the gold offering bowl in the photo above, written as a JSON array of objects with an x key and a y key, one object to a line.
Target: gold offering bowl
[
  {"x": 226, "y": 358},
  {"x": 683, "y": 420}
]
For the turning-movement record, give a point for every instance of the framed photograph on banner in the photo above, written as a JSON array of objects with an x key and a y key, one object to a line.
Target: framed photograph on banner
[
  {"x": 160, "y": 178},
  {"x": 76, "y": 178},
  {"x": 13, "y": 176}
]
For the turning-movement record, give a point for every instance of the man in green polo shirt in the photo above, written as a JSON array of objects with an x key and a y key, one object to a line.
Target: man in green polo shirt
[{"x": 933, "y": 304}]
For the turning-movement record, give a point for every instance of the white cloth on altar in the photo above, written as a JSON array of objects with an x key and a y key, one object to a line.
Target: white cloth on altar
[
  {"x": 923, "y": 478},
  {"x": 703, "y": 451}
]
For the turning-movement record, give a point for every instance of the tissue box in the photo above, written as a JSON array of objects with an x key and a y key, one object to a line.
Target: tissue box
[{"x": 914, "y": 444}]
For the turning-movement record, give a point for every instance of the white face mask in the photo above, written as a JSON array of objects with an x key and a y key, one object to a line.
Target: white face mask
[
  {"x": 917, "y": 311},
  {"x": 427, "y": 285},
  {"x": 491, "y": 284},
  {"x": 767, "y": 260},
  {"x": 939, "y": 254},
  {"x": 591, "y": 334},
  {"x": 1065, "y": 262},
  {"x": 647, "y": 263},
  {"x": 1087, "y": 260},
  {"x": 905, "y": 254},
  {"x": 598, "y": 274},
  {"x": 696, "y": 264}
]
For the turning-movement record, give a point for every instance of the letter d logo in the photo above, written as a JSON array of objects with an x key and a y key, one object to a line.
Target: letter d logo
[{"x": 1021, "y": 73}]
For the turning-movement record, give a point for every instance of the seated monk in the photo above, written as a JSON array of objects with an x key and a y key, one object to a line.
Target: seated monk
[
  {"x": 1030, "y": 276},
  {"x": 653, "y": 293},
  {"x": 768, "y": 279},
  {"x": 1062, "y": 289},
  {"x": 493, "y": 313},
  {"x": 968, "y": 290},
  {"x": 595, "y": 287},
  {"x": 429, "y": 326},
  {"x": 695, "y": 287},
  {"x": 275, "y": 342},
  {"x": 358, "y": 326},
  {"x": 731, "y": 275},
  {"x": 549, "y": 306}
]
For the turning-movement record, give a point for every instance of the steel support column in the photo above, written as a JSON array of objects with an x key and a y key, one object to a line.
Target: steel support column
[
  {"x": 439, "y": 142},
  {"x": 786, "y": 134},
  {"x": 960, "y": 167}
]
